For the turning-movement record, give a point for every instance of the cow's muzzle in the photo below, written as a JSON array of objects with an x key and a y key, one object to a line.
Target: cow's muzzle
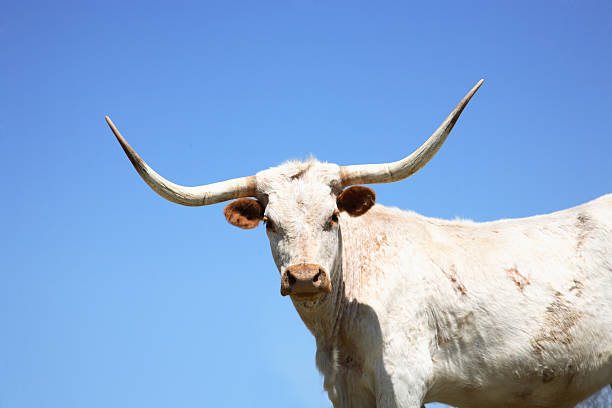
[{"x": 305, "y": 281}]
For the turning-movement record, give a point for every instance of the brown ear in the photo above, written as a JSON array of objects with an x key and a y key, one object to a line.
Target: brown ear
[
  {"x": 244, "y": 213},
  {"x": 356, "y": 200}
]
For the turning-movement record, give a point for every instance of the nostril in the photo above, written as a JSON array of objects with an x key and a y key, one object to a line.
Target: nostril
[
  {"x": 290, "y": 278},
  {"x": 317, "y": 276}
]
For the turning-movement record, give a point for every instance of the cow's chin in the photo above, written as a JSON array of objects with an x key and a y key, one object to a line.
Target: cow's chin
[
  {"x": 306, "y": 297},
  {"x": 309, "y": 303}
]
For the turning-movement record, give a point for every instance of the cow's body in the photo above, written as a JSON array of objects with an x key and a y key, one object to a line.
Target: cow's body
[
  {"x": 407, "y": 309},
  {"x": 511, "y": 313}
]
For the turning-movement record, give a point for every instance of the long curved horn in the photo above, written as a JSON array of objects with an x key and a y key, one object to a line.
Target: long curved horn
[
  {"x": 401, "y": 169},
  {"x": 192, "y": 196}
]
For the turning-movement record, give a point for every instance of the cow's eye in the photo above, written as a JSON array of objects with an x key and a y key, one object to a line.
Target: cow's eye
[
  {"x": 334, "y": 216},
  {"x": 269, "y": 224},
  {"x": 333, "y": 220}
]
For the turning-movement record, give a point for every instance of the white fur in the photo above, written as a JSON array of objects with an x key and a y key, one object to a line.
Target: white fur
[{"x": 511, "y": 313}]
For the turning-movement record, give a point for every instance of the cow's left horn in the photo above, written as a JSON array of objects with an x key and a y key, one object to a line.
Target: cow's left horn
[
  {"x": 192, "y": 196},
  {"x": 401, "y": 169}
]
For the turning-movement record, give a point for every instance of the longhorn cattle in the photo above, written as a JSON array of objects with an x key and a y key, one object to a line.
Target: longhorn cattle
[{"x": 407, "y": 309}]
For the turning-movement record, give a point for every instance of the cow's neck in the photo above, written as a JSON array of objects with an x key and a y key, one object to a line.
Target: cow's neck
[
  {"x": 335, "y": 324},
  {"x": 333, "y": 319}
]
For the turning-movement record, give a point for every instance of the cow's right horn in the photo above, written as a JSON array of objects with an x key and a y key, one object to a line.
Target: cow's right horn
[
  {"x": 401, "y": 169},
  {"x": 192, "y": 196}
]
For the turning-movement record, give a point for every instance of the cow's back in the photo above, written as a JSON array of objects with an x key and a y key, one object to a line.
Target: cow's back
[
  {"x": 520, "y": 308},
  {"x": 536, "y": 294}
]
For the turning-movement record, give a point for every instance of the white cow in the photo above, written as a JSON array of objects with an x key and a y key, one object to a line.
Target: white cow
[{"x": 407, "y": 309}]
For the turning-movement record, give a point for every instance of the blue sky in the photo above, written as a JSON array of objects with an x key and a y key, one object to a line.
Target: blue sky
[{"x": 112, "y": 296}]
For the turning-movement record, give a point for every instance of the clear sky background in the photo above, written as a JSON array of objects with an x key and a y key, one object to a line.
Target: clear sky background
[{"x": 111, "y": 296}]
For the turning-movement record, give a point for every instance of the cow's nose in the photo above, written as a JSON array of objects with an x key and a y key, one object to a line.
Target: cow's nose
[{"x": 305, "y": 280}]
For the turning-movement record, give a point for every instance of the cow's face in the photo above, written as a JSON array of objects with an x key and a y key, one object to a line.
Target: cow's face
[{"x": 301, "y": 205}]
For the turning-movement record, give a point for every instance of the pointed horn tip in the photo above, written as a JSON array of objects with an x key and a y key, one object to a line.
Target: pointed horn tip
[
  {"x": 116, "y": 132},
  {"x": 110, "y": 124},
  {"x": 469, "y": 95}
]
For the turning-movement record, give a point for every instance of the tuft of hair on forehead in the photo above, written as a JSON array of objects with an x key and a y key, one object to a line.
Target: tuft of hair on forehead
[
  {"x": 301, "y": 171},
  {"x": 295, "y": 169}
]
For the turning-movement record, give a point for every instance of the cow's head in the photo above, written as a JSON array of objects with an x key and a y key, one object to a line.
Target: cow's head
[{"x": 301, "y": 205}]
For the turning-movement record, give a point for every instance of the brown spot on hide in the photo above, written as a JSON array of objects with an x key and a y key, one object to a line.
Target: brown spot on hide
[
  {"x": 380, "y": 241},
  {"x": 520, "y": 280},
  {"x": 441, "y": 338},
  {"x": 559, "y": 319},
  {"x": 299, "y": 174},
  {"x": 585, "y": 226},
  {"x": 356, "y": 200},
  {"x": 548, "y": 374},
  {"x": 451, "y": 274},
  {"x": 583, "y": 219},
  {"x": 577, "y": 288},
  {"x": 244, "y": 213}
]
